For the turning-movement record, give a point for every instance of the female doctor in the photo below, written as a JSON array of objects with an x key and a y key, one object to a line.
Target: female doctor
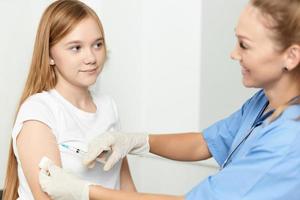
[{"x": 257, "y": 147}]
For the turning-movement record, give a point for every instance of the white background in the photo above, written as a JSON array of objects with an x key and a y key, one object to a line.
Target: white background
[{"x": 168, "y": 70}]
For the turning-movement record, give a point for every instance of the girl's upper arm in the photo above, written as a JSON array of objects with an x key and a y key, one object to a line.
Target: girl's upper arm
[{"x": 34, "y": 141}]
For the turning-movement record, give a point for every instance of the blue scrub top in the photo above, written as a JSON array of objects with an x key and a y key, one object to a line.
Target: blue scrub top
[{"x": 266, "y": 166}]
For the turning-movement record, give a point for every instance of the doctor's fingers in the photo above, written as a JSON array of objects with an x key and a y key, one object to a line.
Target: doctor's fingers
[
  {"x": 90, "y": 157},
  {"x": 103, "y": 141},
  {"x": 55, "y": 171},
  {"x": 96, "y": 147},
  {"x": 112, "y": 159},
  {"x": 91, "y": 164},
  {"x": 44, "y": 180}
]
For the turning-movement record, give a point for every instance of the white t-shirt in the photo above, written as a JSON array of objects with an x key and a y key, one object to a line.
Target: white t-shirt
[{"x": 73, "y": 127}]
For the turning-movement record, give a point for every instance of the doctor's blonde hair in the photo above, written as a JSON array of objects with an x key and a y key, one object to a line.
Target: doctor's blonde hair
[
  {"x": 285, "y": 24},
  {"x": 57, "y": 21}
]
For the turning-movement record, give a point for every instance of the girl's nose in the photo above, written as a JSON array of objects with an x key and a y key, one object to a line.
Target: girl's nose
[{"x": 90, "y": 57}]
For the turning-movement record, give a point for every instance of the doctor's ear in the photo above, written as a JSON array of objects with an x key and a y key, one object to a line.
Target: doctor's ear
[{"x": 292, "y": 59}]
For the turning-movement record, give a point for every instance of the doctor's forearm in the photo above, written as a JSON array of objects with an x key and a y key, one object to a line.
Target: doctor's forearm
[
  {"x": 100, "y": 193},
  {"x": 183, "y": 147}
]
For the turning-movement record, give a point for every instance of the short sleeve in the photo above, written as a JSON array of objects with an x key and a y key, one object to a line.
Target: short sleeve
[
  {"x": 220, "y": 135},
  {"x": 33, "y": 109},
  {"x": 269, "y": 170}
]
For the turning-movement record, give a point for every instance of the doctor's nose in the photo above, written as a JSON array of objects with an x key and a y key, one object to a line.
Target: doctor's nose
[
  {"x": 90, "y": 57},
  {"x": 235, "y": 55}
]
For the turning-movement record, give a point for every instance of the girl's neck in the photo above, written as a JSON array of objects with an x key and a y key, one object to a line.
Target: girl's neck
[{"x": 79, "y": 97}]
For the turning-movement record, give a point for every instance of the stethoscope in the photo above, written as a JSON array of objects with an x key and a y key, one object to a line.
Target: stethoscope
[
  {"x": 257, "y": 122},
  {"x": 261, "y": 117}
]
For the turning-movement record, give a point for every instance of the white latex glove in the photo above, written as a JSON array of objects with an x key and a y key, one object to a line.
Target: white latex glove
[
  {"x": 62, "y": 185},
  {"x": 120, "y": 144}
]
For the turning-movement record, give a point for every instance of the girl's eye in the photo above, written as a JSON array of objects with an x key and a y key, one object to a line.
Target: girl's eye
[
  {"x": 75, "y": 48},
  {"x": 242, "y": 45},
  {"x": 98, "y": 45}
]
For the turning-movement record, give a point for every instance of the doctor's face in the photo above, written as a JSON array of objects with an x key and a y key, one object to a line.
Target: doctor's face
[
  {"x": 80, "y": 55},
  {"x": 259, "y": 56}
]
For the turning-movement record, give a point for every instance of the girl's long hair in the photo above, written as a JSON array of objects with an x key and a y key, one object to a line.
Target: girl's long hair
[{"x": 57, "y": 21}]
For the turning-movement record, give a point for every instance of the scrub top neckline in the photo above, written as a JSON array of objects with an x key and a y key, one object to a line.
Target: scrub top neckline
[{"x": 259, "y": 120}]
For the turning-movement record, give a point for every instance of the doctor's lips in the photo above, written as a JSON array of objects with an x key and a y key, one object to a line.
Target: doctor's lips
[{"x": 244, "y": 71}]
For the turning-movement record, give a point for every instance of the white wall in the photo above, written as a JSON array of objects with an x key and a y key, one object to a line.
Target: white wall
[
  {"x": 166, "y": 67},
  {"x": 154, "y": 75},
  {"x": 144, "y": 38},
  {"x": 221, "y": 89}
]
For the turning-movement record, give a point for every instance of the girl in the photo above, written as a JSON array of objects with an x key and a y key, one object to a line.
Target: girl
[{"x": 57, "y": 112}]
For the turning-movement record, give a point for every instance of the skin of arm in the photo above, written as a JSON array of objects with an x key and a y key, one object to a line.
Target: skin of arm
[
  {"x": 33, "y": 142},
  {"x": 126, "y": 181},
  {"x": 100, "y": 193},
  {"x": 181, "y": 146}
]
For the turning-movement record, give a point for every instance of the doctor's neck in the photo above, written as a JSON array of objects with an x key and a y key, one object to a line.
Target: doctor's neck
[{"x": 281, "y": 95}]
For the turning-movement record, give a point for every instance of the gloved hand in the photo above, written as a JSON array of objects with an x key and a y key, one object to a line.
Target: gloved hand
[
  {"x": 62, "y": 185},
  {"x": 120, "y": 143}
]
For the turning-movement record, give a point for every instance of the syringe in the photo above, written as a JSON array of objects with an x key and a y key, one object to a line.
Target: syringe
[{"x": 81, "y": 152}]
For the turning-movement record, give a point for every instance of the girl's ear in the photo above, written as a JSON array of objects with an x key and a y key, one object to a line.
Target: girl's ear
[{"x": 52, "y": 63}]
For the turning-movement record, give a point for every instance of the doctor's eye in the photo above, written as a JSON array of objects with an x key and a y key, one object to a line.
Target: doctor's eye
[{"x": 242, "y": 45}]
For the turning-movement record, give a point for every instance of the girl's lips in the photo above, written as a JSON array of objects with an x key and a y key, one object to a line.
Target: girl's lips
[{"x": 89, "y": 70}]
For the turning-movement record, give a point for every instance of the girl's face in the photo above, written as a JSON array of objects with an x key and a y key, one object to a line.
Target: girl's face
[
  {"x": 80, "y": 55},
  {"x": 258, "y": 54}
]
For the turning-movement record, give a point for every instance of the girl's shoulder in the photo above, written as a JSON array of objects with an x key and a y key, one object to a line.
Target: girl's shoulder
[
  {"x": 42, "y": 99},
  {"x": 42, "y": 103}
]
